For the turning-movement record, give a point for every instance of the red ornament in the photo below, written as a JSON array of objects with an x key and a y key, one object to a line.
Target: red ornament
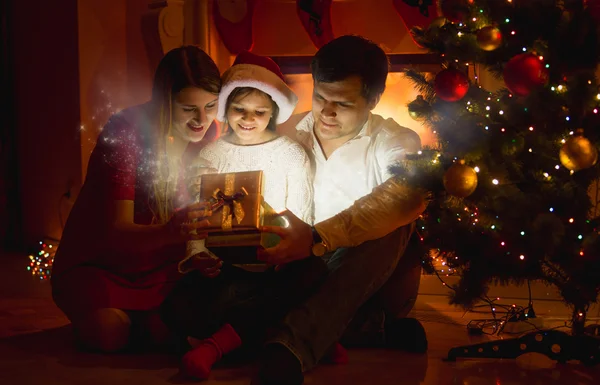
[
  {"x": 451, "y": 85},
  {"x": 523, "y": 73},
  {"x": 455, "y": 11}
]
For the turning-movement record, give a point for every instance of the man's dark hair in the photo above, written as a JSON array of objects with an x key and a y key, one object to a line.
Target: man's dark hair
[{"x": 352, "y": 55}]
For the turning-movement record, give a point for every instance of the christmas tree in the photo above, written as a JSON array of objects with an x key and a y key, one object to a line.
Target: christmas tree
[{"x": 512, "y": 179}]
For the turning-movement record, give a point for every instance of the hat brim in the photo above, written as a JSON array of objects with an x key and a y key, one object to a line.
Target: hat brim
[{"x": 249, "y": 75}]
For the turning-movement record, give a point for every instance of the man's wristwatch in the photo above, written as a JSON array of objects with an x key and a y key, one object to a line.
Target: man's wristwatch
[{"x": 319, "y": 247}]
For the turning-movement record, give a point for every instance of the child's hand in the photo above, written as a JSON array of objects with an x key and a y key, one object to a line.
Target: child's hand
[{"x": 207, "y": 263}]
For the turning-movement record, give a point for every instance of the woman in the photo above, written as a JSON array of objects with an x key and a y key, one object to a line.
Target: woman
[{"x": 118, "y": 256}]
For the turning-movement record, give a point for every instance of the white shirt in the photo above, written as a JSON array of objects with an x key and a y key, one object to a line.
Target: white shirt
[{"x": 358, "y": 166}]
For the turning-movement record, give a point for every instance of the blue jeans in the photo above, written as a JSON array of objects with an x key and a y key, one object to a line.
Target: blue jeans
[{"x": 355, "y": 275}]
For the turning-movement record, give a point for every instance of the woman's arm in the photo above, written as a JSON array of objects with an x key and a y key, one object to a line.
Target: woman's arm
[{"x": 128, "y": 237}]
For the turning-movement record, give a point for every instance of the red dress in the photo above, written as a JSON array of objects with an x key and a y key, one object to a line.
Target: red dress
[{"x": 86, "y": 274}]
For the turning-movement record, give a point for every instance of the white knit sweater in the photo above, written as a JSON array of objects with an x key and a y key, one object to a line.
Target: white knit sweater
[{"x": 286, "y": 173}]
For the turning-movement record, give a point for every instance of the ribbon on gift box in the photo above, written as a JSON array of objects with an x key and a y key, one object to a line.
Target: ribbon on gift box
[{"x": 230, "y": 202}]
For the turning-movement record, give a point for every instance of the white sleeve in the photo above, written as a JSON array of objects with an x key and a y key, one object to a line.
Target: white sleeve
[
  {"x": 299, "y": 188},
  {"x": 191, "y": 248},
  {"x": 393, "y": 146}
]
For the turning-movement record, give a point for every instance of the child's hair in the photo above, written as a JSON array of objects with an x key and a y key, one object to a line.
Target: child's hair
[{"x": 242, "y": 92}]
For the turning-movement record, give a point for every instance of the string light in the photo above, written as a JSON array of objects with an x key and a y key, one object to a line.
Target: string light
[{"x": 40, "y": 263}]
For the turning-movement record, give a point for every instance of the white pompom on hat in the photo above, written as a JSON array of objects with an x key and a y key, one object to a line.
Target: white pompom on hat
[{"x": 262, "y": 73}]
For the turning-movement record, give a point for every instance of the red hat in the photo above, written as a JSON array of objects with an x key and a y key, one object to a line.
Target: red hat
[{"x": 262, "y": 73}]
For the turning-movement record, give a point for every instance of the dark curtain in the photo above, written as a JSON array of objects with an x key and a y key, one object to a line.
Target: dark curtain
[{"x": 10, "y": 224}]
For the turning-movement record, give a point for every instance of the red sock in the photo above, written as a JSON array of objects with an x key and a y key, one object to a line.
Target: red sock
[
  {"x": 315, "y": 16},
  {"x": 236, "y": 33},
  {"x": 198, "y": 361},
  {"x": 416, "y": 12},
  {"x": 337, "y": 356}
]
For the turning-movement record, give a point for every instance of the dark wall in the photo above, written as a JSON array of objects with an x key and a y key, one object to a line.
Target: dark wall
[
  {"x": 9, "y": 200},
  {"x": 44, "y": 56}
]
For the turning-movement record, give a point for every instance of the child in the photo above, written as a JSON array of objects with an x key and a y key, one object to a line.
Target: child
[{"x": 253, "y": 100}]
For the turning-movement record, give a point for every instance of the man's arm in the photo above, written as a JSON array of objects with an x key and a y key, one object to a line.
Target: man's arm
[{"x": 389, "y": 206}]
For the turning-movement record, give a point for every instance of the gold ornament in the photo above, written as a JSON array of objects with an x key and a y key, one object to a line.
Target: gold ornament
[
  {"x": 489, "y": 38},
  {"x": 578, "y": 152},
  {"x": 460, "y": 180},
  {"x": 419, "y": 109}
]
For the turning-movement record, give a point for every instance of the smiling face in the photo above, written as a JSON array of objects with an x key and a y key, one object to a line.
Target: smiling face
[
  {"x": 248, "y": 115},
  {"x": 339, "y": 109},
  {"x": 194, "y": 109}
]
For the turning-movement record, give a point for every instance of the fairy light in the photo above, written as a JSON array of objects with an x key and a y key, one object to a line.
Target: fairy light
[
  {"x": 495, "y": 181},
  {"x": 521, "y": 257},
  {"x": 476, "y": 169},
  {"x": 530, "y": 128},
  {"x": 40, "y": 263},
  {"x": 571, "y": 220}
]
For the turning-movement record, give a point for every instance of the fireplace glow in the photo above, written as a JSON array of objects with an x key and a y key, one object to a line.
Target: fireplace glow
[{"x": 398, "y": 93}]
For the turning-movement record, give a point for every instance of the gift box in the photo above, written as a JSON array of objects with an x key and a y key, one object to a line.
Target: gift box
[{"x": 238, "y": 211}]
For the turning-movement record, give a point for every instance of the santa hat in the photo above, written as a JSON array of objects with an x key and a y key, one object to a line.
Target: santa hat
[{"x": 262, "y": 73}]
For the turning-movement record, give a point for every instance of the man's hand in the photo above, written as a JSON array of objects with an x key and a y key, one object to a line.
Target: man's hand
[{"x": 296, "y": 241}]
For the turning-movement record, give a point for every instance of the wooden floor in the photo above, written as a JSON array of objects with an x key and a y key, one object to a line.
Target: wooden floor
[{"x": 36, "y": 347}]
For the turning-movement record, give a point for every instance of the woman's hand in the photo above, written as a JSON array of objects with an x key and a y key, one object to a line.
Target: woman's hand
[{"x": 187, "y": 223}]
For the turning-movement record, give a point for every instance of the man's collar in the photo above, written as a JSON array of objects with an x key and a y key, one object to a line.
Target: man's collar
[{"x": 308, "y": 122}]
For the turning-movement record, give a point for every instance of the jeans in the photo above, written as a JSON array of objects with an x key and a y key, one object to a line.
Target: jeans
[
  {"x": 355, "y": 275},
  {"x": 249, "y": 301}
]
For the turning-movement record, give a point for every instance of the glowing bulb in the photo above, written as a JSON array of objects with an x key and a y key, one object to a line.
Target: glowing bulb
[
  {"x": 571, "y": 220},
  {"x": 476, "y": 169},
  {"x": 521, "y": 257},
  {"x": 502, "y": 243},
  {"x": 557, "y": 167},
  {"x": 495, "y": 181},
  {"x": 530, "y": 128},
  {"x": 551, "y": 209}
]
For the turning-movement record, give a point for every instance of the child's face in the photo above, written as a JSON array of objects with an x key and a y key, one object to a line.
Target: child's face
[{"x": 248, "y": 116}]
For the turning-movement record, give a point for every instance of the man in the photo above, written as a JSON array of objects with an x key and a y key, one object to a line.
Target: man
[{"x": 364, "y": 216}]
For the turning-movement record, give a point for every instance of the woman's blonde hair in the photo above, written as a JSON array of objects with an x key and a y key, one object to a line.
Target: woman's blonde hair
[{"x": 186, "y": 66}]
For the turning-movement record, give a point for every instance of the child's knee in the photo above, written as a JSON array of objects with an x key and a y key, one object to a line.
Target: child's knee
[{"x": 106, "y": 330}]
